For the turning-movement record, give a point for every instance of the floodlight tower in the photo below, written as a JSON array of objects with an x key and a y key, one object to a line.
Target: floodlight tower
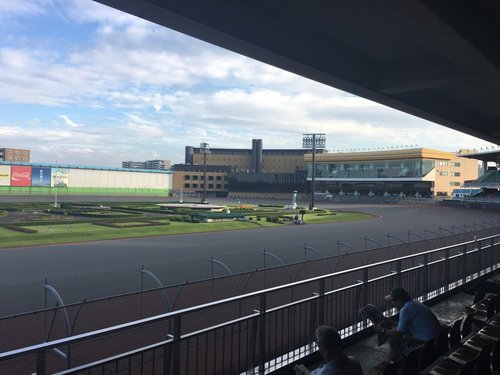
[
  {"x": 204, "y": 149},
  {"x": 313, "y": 141}
]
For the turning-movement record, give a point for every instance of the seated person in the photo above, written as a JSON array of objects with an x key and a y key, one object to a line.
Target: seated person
[
  {"x": 417, "y": 324},
  {"x": 336, "y": 362}
]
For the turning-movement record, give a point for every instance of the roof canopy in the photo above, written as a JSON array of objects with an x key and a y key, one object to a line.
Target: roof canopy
[{"x": 435, "y": 59}]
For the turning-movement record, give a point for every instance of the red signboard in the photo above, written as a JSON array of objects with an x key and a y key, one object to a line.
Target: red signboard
[{"x": 20, "y": 176}]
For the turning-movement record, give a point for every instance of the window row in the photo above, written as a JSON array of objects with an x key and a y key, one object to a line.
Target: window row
[
  {"x": 446, "y": 173},
  {"x": 210, "y": 178},
  {"x": 448, "y": 163},
  {"x": 200, "y": 186},
  {"x": 378, "y": 169}
]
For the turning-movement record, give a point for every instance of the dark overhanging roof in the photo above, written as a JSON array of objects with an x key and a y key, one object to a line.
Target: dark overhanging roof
[
  {"x": 435, "y": 59},
  {"x": 493, "y": 156}
]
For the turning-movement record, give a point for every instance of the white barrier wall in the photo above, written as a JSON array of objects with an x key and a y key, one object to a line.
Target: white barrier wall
[{"x": 92, "y": 178}]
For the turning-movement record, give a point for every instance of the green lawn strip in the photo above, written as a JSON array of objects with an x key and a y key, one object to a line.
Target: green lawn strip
[
  {"x": 338, "y": 217},
  {"x": 87, "y": 232},
  {"x": 76, "y": 232}
]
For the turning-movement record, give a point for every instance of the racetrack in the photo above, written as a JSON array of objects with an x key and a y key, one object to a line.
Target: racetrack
[{"x": 98, "y": 269}]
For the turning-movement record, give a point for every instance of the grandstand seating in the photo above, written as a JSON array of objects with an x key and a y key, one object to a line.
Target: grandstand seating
[{"x": 469, "y": 345}]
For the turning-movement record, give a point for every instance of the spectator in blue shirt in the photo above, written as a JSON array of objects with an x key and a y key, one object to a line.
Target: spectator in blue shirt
[{"x": 417, "y": 324}]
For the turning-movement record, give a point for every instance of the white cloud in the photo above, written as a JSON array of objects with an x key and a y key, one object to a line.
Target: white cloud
[
  {"x": 69, "y": 122},
  {"x": 21, "y": 8}
]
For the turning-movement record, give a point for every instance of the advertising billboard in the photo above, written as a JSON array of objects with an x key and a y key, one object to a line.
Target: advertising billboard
[
  {"x": 20, "y": 176},
  {"x": 59, "y": 177},
  {"x": 4, "y": 175},
  {"x": 40, "y": 176}
]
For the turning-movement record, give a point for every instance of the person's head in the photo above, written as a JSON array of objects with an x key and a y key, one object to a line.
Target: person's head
[
  {"x": 329, "y": 342},
  {"x": 398, "y": 297}
]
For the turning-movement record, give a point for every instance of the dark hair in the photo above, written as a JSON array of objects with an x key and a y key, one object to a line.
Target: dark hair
[
  {"x": 400, "y": 294},
  {"x": 329, "y": 337}
]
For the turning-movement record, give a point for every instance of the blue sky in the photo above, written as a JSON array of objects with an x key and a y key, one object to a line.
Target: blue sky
[{"x": 82, "y": 83}]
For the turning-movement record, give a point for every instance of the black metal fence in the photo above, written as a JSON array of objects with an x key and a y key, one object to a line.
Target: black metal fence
[{"x": 260, "y": 331}]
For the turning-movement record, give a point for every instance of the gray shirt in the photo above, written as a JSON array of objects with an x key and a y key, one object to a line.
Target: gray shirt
[{"x": 345, "y": 366}]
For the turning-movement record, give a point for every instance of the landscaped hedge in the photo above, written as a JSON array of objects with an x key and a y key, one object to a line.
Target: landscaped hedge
[
  {"x": 118, "y": 226},
  {"x": 20, "y": 229},
  {"x": 274, "y": 219}
]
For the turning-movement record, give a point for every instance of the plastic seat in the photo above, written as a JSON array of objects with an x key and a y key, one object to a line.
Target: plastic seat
[
  {"x": 454, "y": 334},
  {"x": 432, "y": 349},
  {"x": 428, "y": 354},
  {"x": 411, "y": 361},
  {"x": 495, "y": 357},
  {"x": 466, "y": 326},
  {"x": 385, "y": 368},
  {"x": 452, "y": 368},
  {"x": 479, "y": 341},
  {"x": 483, "y": 310},
  {"x": 441, "y": 344},
  {"x": 497, "y": 303},
  {"x": 491, "y": 330},
  {"x": 464, "y": 355},
  {"x": 483, "y": 363}
]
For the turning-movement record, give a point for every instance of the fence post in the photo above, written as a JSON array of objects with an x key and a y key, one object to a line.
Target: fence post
[
  {"x": 364, "y": 293},
  {"x": 477, "y": 245},
  {"x": 176, "y": 346},
  {"x": 365, "y": 286},
  {"x": 262, "y": 334},
  {"x": 398, "y": 273},
  {"x": 464, "y": 264},
  {"x": 425, "y": 276},
  {"x": 447, "y": 269},
  {"x": 492, "y": 255},
  {"x": 40, "y": 362},
  {"x": 321, "y": 302}
]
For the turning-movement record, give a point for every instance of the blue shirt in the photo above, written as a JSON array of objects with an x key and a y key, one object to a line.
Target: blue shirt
[{"x": 418, "y": 321}]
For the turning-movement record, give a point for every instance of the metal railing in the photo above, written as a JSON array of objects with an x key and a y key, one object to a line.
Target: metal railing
[{"x": 257, "y": 332}]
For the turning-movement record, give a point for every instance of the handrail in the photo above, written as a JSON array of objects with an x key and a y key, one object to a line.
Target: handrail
[{"x": 141, "y": 322}]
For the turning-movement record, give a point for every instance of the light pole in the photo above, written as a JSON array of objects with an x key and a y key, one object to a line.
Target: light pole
[
  {"x": 313, "y": 141},
  {"x": 204, "y": 149}
]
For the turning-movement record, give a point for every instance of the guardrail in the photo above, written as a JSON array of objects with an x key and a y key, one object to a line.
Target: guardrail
[{"x": 257, "y": 332}]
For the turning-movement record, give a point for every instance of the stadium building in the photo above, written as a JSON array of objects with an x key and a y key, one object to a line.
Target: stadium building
[
  {"x": 255, "y": 159},
  {"x": 46, "y": 179},
  {"x": 412, "y": 172}
]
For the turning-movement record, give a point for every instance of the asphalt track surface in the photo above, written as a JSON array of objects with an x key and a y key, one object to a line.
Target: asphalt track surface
[{"x": 98, "y": 269}]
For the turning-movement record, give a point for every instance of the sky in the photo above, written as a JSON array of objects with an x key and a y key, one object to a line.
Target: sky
[{"x": 82, "y": 83}]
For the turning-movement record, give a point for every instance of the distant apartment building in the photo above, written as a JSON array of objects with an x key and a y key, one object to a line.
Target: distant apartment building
[
  {"x": 133, "y": 164},
  {"x": 159, "y": 165},
  {"x": 15, "y": 155},
  {"x": 256, "y": 159}
]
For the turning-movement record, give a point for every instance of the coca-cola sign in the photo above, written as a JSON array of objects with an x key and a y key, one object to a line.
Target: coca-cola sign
[{"x": 20, "y": 176}]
